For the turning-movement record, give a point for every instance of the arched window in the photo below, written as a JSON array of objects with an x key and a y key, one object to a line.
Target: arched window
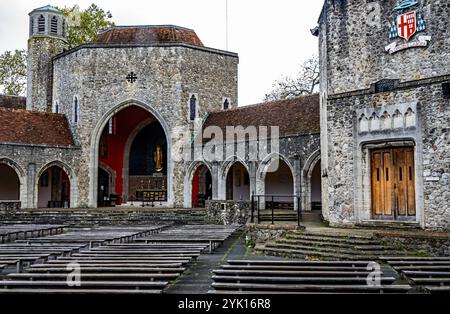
[
  {"x": 56, "y": 107},
  {"x": 75, "y": 110},
  {"x": 54, "y": 25},
  {"x": 226, "y": 104},
  {"x": 192, "y": 108},
  {"x": 41, "y": 24}
]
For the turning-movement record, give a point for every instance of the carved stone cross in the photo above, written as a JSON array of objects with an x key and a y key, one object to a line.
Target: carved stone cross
[{"x": 131, "y": 77}]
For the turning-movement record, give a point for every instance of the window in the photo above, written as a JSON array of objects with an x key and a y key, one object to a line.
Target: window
[
  {"x": 192, "y": 108},
  {"x": 226, "y": 104},
  {"x": 75, "y": 110},
  {"x": 54, "y": 25},
  {"x": 41, "y": 24},
  {"x": 32, "y": 26},
  {"x": 56, "y": 107}
]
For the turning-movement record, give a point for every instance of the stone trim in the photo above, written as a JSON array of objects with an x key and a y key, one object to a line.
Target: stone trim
[
  {"x": 401, "y": 86},
  {"x": 157, "y": 45},
  {"x": 307, "y": 170},
  {"x": 189, "y": 177}
]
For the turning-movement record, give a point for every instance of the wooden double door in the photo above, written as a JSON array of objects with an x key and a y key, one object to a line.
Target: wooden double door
[{"x": 392, "y": 176}]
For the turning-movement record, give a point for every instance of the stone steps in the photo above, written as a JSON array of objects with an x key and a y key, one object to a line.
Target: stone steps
[{"x": 339, "y": 246}]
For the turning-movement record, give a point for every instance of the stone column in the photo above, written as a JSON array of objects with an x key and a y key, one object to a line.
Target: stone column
[
  {"x": 215, "y": 180},
  {"x": 298, "y": 181},
  {"x": 31, "y": 180}
]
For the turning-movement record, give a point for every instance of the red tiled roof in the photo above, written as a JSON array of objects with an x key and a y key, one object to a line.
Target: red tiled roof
[
  {"x": 14, "y": 102},
  {"x": 300, "y": 115},
  {"x": 29, "y": 127},
  {"x": 148, "y": 35}
]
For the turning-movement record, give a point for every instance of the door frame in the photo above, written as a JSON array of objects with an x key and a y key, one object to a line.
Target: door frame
[
  {"x": 362, "y": 178},
  {"x": 395, "y": 216}
]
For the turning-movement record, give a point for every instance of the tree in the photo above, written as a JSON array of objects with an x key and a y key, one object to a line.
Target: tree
[
  {"x": 83, "y": 26},
  {"x": 13, "y": 72},
  {"x": 305, "y": 83}
]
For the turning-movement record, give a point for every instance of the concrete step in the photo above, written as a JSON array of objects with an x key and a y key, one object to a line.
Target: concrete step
[
  {"x": 311, "y": 254},
  {"x": 325, "y": 249},
  {"x": 331, "y": 239},
  {"x": 344, "y": 245}
]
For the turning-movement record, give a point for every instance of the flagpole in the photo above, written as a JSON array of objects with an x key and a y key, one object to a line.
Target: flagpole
[{"x": 226, "y": 24}]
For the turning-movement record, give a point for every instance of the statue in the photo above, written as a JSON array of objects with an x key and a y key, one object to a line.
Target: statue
[{"x": 158, "y": 158}]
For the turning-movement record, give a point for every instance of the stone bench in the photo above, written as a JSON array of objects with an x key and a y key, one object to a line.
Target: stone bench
[
  {"x": 437, "y": 289},
  {"x": 84, "y": 265},
  {"x": 440, "y": 281}
]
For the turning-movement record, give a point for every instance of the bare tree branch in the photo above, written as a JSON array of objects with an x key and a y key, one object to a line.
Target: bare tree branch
[{"x": 305, "y": 83}]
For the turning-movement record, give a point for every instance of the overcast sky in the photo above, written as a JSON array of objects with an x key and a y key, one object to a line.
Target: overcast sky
[{"x": 272, "y": 37}]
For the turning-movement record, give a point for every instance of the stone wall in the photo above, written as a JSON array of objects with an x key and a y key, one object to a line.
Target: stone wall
[
  {"x": 352, "y": 41},
  {"x": 432, "y": 142},
  {"x": 9, "y": 206},
  {"x": 166, "y": 77},
  {"x": 357, "y": 33},
  {"x": 227, "y": 212},
  {"x": 263, "y": 233}
]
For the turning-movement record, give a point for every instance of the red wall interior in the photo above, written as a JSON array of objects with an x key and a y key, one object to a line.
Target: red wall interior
[
  {"x": 196, "y": 186},
  {"x": 124, "y": 123}
]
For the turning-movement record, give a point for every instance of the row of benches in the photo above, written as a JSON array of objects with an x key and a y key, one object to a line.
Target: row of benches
[
  {"x": 114, "y": 267},
  {"x": 213, "y": 234},
  {"x": 11, "y": 232},
  {"x": 24, "y": 252},
  {"x": 297, "y": 276},
  {"x": 430, "y": 273}
]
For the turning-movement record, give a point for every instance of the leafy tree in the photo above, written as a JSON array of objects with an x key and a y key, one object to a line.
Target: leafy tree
[
  {"x": 13, "y": 72},
  {"x": 83, "y": 26},
  {"x": 305, "y": 83}
]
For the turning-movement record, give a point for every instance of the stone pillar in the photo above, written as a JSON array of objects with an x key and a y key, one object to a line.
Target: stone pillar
[
  {"x": 297, "y": 181},
  {"x": 215, "y": 176},
  {"x": 31, "y": 179},
  {"x": 252, "y": 169}
]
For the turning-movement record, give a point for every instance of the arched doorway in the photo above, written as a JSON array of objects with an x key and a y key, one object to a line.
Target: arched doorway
[
  {"x": 133, "y": 145},
  {"x": 53, "y": 188},
  {"x": 238, "y": 183},
  {"x": 9, "y": 184},
  {"x": 279, "y": 183},
  {"x": 201, "y": 186},
  {"x": 316, "y": 187}
]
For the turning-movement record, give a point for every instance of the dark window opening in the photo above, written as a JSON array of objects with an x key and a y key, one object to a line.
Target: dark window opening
[
  {"x": 41, "y": 24},
  {"x": 192, "y": 108},
  {"x": 54, "y": 25},
  {"x": 400, "y": 173},
  {"x": 387, "y": 174},
  {"x": 226, "y": 104}
]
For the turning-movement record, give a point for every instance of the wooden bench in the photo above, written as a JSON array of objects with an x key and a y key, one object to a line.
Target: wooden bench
[
  {"x": 298, "y": 263},
  {"x": 97, "y": 276},
  {"x": 118, "y": 269},
  {"x": 298, "y": 280},
  {"x": 11, "y": 284},
  {"x": 269, "y": 288},
  {"x": 79, "y": 291},
  {"x": 306, "y": 273}
]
